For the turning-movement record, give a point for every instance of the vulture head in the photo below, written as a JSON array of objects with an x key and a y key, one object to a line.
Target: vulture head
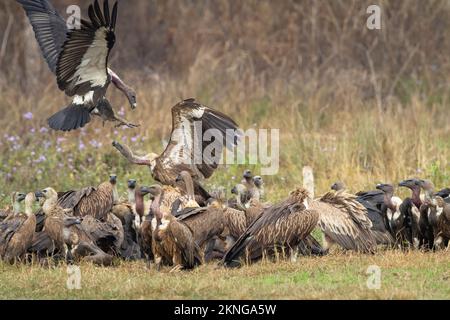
[
  {"x": 47, "y": 194},
  {"x": 258, "y": 181},
  {"x": 131, "y": 183},
  {"x": 248, "y": 176},
  {"x": 428, "y": 187},
  {"x": 155, "y": 191},
  {"x": 131, "y": 95},
  {"x": 386, "y": 188},
  {"x": 113, "y": 179},
  {"x": 144, "y": 190},
  {"x": 17, "y": 197},
  {"x": 413, "y": 184},
  {"x": 338, "y": 186},
  {"x": 440, "y": 202}
]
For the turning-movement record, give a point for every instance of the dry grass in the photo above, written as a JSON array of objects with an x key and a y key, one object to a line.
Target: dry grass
[{"x": 412, "y": 275}]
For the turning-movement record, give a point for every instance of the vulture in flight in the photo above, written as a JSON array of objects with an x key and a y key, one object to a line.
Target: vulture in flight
[
  {"x": 79, "y": 59},
  {"x": 186, "y": 150},
  {"x": 280, "y": 227}
]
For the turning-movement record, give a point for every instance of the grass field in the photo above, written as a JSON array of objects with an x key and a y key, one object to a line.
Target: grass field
[{"x": 411, "y": 275}]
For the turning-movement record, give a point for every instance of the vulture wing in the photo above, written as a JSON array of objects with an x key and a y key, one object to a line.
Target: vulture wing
[
  {"x": 186, "y": 244},
  {"x": 82, "y": 63},
  {"x": 49, "y": 28},
  {"x": 191, "y": 122},
  {"x": 7, "y": 231},
  {"x": 344, "y": 220},
  {"x": 284, "y": 224},
  {"x": 189, "y": 212}
]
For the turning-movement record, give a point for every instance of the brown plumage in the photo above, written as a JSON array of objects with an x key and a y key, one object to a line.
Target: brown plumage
[
  {"x": 16, "y": 234},
  {"x": 442, "y": 231},
  {"x": 344, "y": 221},
  {"x": 280, "y": 227},
  {"x": 179, "y": 154},
  {"x": 97, "y": 202},
  {"x": 10, "y": 212},
  {"x": 172, "y": 241}
]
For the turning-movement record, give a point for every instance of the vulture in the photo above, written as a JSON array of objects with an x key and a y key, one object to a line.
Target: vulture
[
  {"x": 97, "y": 202},
  {"x": 444, "y": 194},
  {"x": 79, "y": 59},
  {"x": 394, "y": 218},
  {"x": 125, "y": 211},
  {"x": 172, "y": 240},
  {"x": 16, "y": 234},
  {"x": 259, "y": 184},
  {"x": 428, "y": 215},
  {"x": 67, "y": 234},
  {"x": 372, "y": 201},
  {"x": 281, "y": 227},
  {"x": 184, "y": 180},
  {"x": 410, "y": 209},
  {"x": 186, "y": 151},
  {"x": 16, "y": 199},
  {"x": 343, "y": 220},
  {"x": 442, "y": 230}
]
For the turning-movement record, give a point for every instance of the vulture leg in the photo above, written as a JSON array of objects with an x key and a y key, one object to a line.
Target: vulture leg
[
  {"x": 128, "y": 154},
  {"x": 123, "y": 122},
  {"x": 177, "y": 268}
]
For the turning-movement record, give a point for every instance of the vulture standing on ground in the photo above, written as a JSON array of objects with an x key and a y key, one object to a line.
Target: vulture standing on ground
[
  {"x": 410, "y": 209},
  {"x": 186, "y": 151},
  {"x": 97, "y": 202},
  {"x": 344, "y": 221},
  {"x": 428, "y": 214},
  {"x": 79, "y": 59},
  {"x": 280, "y": 228},
  {"x": 372, "y": 201},
  {"x": 16, "y": 234},
  {"x": 442, "y": 230},
  {"x": 394, "y": 218},
  {"x": 173, "y": 241}
]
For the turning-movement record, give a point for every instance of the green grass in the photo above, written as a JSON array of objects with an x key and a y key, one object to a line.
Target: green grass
[{"x": 412, "y": 275}]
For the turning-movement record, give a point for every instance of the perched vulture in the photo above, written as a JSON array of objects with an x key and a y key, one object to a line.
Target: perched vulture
[
  {"x": 192, "y": 123},
  {"x": 16, "y": 234},
  {"x": 173, "y": 241},
  {"x": 410, "y": 208},
  {"x": 259, "y": 184},
  {"x": 444, "y": 194},
  {"x": 280, "y": 228},
  {"x": 79, "y": 59},
  {"x": 428, "y": 215},
  {"x": 96, "y": 202},
  {"x": 344, "y": 221}
]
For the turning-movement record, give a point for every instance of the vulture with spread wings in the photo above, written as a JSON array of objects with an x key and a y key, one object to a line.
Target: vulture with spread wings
[
  {"x": 192, "y": 123},
  {"x": 79, "y": 59}
]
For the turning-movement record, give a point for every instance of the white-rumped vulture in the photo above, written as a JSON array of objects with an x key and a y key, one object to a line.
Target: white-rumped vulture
[
  {"x": 192, "y": 123},
  {"x": 79, "y": 59},
  {"x": 410, "y": 208},
  {"x": 280, "y": 228}
]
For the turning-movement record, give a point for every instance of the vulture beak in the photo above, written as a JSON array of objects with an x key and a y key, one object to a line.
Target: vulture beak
[
  {"x": 234, "y": 190},
  {"x": 132, "y": 183},
  {"x": 145, "y": 190},
  {"x": 178, "y": 178},
  {"x": 113, "y": 179},
  {"x": 403, "y": 183},
  {"x": 39, "y": 194},
  {"x": 154, "y": 190},
  {"x": 21, "y": 197},
  {"x": 379, "y": 186}
]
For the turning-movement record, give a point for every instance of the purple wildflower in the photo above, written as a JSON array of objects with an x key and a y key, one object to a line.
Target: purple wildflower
[{"x": 28, "y": 116}]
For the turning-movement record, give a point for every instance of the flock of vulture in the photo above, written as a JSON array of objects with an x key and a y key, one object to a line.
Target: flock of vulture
[
  {"x": 178, "y": 223},
  {"x": 173, "y": 225}
]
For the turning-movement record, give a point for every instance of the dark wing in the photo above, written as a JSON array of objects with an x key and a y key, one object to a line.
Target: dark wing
[
  {"x": 374, "y": 197},
  {"x": 7, "y": 231},
  {"x": 189, "y": 212},
  {"x": 82, "y": 64},
  {"x": 380, "y": 229},
  {"x": 49, "y": 28},
  {"x": 186, "y": 244},
  {"x": 286, "y": 223},
  {"x": 186, "y": 150},
  {"x": 70, "y": 199}
]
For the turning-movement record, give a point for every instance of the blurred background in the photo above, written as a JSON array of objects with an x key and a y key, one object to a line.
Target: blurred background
[{"x": 358, "y": 105}]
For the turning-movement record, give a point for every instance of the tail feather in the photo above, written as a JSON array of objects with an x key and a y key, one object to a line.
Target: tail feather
[{"x": 70, "y": 118}]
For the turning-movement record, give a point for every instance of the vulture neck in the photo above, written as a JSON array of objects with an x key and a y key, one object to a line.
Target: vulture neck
[
  {"x": 156, "y": 209},
  {"x": 115, "y": 194},
  {"x": 189, "y": 185},
  {"x": 115, "y": 79},
  {"x": 49, "y": 204},
  {"x": 416, "y": 197},
  {"x": 28, "y": 209},
  {"x": 131, "y": 196},
  {"x": 16, "y": 207},
  {"x": 388, "y": 201},
  {"x": 139, "y": 203}
]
